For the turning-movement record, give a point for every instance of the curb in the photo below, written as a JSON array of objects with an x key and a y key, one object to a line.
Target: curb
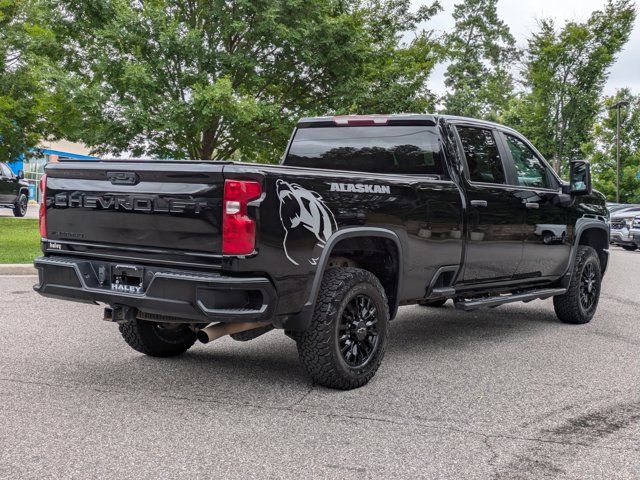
[{"x": 17, "y": 269}]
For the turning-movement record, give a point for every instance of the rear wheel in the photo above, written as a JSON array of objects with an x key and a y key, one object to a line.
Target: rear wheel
[
  {"x": 579, "y": 304},
  {"x": 345, "y": 343},
  {"x": 20, "y": 208},
  {"x": 433, "y": 303},
  {"x": 157, "y": 339},
  {"x": 631, "y": 248}
]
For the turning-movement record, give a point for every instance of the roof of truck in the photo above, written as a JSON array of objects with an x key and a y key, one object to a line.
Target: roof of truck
[
  {"x": 393, "y": 119},
  {"x": 415, "y": 118}
]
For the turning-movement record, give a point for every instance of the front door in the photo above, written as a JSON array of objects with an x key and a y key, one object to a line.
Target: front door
[
  {"x": 7, "y": 185},
  {"x": 495, "y": 215},
  {"x": 547, "y": 237}
]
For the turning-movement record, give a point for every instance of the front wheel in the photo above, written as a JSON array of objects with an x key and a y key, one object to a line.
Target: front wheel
[
  {"x": 157, "y": 339},
  {"x": 630, "y": 248},
  {"x": 20, "y": 208},
  {"x": 345, "y": 343},
  {"x": 579, "y": 304}
]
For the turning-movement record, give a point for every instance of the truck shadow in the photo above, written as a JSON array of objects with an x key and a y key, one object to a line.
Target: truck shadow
[
  {"x": 446, "y": 327},
  {"x": 267, "y": 371}
]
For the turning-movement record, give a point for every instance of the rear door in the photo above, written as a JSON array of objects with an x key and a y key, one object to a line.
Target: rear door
[
  {"x": 136, "y": 206},
  {"x": 386, "y": 174},
  {"x": 495, "y": 215},
  {"x": 547, "y": 237}
]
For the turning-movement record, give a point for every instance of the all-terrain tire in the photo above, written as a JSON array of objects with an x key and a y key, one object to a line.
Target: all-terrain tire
[
  {"x": 569, "y": 307},
  {"x": 157, "y": 339},
  {"x": 433, "y": 303},
  {"x": 319, "y": 345},
  {"x": 630, "y": 248},
  {"x": 20, "y": 208}
]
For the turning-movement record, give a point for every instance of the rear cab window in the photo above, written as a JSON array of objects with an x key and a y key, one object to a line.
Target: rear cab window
[
  {"x": 480, "y": 148},
  {"x": 406, "y": 149}
]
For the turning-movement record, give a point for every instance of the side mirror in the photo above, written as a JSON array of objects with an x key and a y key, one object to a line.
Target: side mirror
[
  {"x": 580, "y": 177},
  {"x": 20, "y": 174}
]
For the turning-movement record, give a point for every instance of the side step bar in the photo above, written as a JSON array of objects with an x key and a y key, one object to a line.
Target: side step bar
[{"x": 490, "y": 302}]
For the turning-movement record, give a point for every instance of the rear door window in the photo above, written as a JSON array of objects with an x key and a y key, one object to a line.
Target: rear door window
[
  {"x": 411, "y": 149},
  {"x": 483, "y": 158}
]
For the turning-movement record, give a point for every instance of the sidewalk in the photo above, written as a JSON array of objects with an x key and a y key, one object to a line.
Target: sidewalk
[{"x": 17, "y": 269}]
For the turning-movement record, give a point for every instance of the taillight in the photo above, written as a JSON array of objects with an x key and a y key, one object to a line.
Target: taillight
[
  {"x": 238, "y": 229},
  {"x": 43, "y": 206}
]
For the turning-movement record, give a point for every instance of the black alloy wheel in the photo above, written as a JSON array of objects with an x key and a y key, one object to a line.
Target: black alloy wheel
[
  {"x": 358, "y": 331},
  {"x": 588, "y": 287}
]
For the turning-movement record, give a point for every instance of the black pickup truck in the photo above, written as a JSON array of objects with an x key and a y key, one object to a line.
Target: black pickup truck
[
  {"x": 365, "y": 214},
  {"x": 14, "y": 191}
]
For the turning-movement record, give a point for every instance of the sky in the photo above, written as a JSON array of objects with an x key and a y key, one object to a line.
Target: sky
[{"x": 522, "y": 17}]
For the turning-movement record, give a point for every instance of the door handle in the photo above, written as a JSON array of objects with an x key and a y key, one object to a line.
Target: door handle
[
  {"x": 479, "y": 203},
  {"x": 532, "y": 205}
]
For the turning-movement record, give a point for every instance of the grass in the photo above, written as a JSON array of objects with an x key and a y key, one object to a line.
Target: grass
[{"x": 19, "y": 240}]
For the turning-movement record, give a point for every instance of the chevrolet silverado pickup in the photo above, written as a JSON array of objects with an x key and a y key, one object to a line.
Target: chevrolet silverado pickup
[{"x": 363, "y": 215}]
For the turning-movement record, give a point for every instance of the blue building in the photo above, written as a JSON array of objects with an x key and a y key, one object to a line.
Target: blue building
[{"x": 33, "y": 165}]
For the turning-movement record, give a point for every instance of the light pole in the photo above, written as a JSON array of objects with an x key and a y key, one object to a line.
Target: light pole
[{"x": 617, "y": 107}]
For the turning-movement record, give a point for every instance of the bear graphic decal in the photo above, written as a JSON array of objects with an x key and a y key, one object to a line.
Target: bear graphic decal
[{"x": 303, "y": 215}]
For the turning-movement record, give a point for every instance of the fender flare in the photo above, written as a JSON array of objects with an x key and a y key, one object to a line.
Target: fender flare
[
  {"x": 583, "y": 224},
  {"x": 301, "y": 320},
  {"x": 24, "y": 190}
]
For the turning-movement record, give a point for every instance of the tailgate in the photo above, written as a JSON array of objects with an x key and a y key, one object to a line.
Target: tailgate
[{"x": 147, "y": 204}]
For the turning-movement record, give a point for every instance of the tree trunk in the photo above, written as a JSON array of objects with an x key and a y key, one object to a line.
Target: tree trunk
[{"x": 208, "y": 144}]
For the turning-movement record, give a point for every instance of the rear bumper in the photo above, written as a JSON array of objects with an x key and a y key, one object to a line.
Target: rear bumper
[{"x": 167, "y": 294}]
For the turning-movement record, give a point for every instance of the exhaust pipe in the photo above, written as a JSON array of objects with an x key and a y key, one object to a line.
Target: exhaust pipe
[{"x": 213, "y": 332}]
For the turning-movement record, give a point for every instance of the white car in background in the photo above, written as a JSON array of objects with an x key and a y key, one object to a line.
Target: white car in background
[
  {"x": 622, "y": 223},
  {"x": 635, "y": 231}
]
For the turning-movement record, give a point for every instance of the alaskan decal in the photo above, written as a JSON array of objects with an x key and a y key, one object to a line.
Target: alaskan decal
[
  {"x": 360, "y": 188},
  {"x": 303, "y": 214}
]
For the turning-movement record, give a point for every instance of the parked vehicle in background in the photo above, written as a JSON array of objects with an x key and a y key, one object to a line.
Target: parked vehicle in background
[
  {"x": 365, "y": 214},
  {"x": 635, "y": 231},
  {"x": 621, "y": 224},
  {"x": 14, "y": 191},
  {"x": 616, "y": 207}
]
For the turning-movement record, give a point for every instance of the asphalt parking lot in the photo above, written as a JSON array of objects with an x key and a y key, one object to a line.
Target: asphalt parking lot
[{"x": 507, "y": 393}]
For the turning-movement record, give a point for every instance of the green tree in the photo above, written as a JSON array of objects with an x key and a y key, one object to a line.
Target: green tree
[
  {"x": 220, "y": 79},
  {"x": 394, "y": 75},
  {"x": 565, "y": 72},
  {"x": 602, "y": 148},
  {"x": 23, "y": 98},
  {"x": 481, "y": 50}
]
